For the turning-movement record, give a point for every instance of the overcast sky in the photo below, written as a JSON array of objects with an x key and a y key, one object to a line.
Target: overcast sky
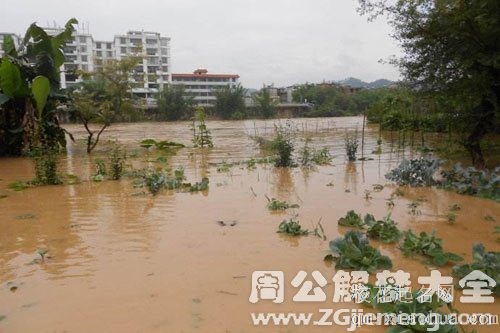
[{"x": 264, "y": 41}]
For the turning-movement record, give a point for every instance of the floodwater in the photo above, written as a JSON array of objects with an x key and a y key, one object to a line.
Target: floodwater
[{"x": 120, "y": 260}]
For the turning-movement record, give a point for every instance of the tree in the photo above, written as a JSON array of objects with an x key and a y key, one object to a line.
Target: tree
[
  {"x": 266, "y": 107},
  {"x": 451, "y": 50},
  {"x": 230, "y": 102},
  {"x": 30, "y": 90},
  {"x": 173, "y": 104},
  {"x": 102, "y": 97}
]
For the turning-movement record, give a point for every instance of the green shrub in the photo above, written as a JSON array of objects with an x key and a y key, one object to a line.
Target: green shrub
[
  {"x": 282, "y": 145},
  {"x": 45, "y": 160}
]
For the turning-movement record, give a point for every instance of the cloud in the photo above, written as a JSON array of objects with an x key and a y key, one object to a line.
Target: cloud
[{"x": 278, "y": 41}]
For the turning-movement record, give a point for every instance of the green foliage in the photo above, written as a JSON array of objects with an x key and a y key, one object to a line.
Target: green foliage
[
  {"x": 292, "y": 227},
  {"x": 155, "y": 180},
  {"x": 275, "y": 204},
  {"x": 45, "y": 160},
  {"x": 450, "y": 52},
  {"x": 29, "y": 90},
  {"x": 352, "y": 220},
  {"x": 482, "y": 183},
  {"x": 173, "y": 104},
  {"x": 429, "y": 246},
  {"x": 486, "y": 262},
  {"x": 18, "y": 186},
  {"x": 201, "y": 135},
  {"x": 199, "y": 186},
  {"x": 309, "y": 157},
  {"x": 103, "y": 97},
  {"x": 384, "y": 230},
  {"x": 117, "y": 160},
  {"x": 413, "y": 308},
  {"x": 163, "y": 145},
  {"x": 353, "y": 252},
  {"x": 282, "y": 145},
  {"x": 266, "y": 107},
  {"x": 351, "y": 145},
  {"x": 230, "y": 102},
  {"x": 100, "y": 170},
  {"x": 415, "y": 172},
  {"x": 330, "y": 100}
]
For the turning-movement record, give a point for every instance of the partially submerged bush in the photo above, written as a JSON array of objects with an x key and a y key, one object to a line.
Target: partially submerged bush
[
  {"x": 415, "y": 172},
  {"x": 351, "y": 146},
  {"x": 117, "y": 160},
  {"x": 45, "y": 160},
  {"x": 310, "y": 156},
  {"x": 471, "y": 181},
  {"x": 282, "y": 145},
  {"x": 353, "y": 252}
]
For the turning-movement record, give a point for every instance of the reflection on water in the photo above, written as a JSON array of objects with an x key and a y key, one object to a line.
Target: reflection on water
[{"x": 112, "y": 253}]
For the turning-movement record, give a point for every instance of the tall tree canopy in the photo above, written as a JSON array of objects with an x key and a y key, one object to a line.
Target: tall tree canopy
[{"x": 451, "y": 48}]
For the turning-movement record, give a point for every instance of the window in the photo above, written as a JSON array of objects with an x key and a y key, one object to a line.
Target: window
[
  {"x": 83, "y": 49},
  {"x": 82, "y": 39},
  {"x": 97, "y": 45},
  {"x": 109, "y": 54},
  {"x": 164, "y": 60},
  {"x": 123, "y": 50},
  {"x": 151, "y": 52},
  {"x": 123, "y": 40},
  {"x": 108, "y": 46},
  {"x": 85, "y": 68},
  {"x": 85, "y": 58}
]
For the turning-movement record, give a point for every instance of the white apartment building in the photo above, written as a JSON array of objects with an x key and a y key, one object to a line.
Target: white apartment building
[
  {"x": 153, "y": 72},
  {"x": 85, "y": 54},
  {"x": 202, "y": 86}
]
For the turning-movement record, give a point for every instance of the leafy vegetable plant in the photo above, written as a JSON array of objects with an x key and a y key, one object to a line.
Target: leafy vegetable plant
[
  {"x": 353, "y": 252},
  {"x": 429, "y": 246}
]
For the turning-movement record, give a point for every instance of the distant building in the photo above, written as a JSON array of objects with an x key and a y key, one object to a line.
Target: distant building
[
  {"x": 153, "y": 72},
  {"x": 202, "y": 86},
  {"x": 83, "y": 53}
]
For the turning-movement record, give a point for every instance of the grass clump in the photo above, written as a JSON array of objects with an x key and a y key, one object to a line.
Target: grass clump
[
  {"x": 429, "y": 246},
  {"x": 354, "y": 252},
  {"x": 308, "y": 157}
]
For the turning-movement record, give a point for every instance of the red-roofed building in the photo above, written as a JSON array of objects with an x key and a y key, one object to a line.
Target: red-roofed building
[{"x": 201, "y": 85}]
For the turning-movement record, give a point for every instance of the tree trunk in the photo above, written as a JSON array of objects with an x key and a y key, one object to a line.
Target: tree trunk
[{"x": 485, "y": 115}]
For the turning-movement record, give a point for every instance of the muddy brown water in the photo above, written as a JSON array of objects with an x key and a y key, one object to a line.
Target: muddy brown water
[{"x": 122, "y": 261}]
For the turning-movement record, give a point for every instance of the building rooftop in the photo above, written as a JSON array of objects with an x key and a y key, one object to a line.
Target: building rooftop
[{"x": 201, "y": 72}]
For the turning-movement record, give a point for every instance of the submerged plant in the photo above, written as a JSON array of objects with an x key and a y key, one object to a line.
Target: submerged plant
[
  {"x": 415, "y": 172},
  {"x": 354, "y": 252},
  {"x": 275, "y": 204},
  {"x": 351, "y": 145},
  {"x": 155, "y": 180},
  {"x": 471, "y": 181},
  {"x": 414, "y": 207},
  {"x": 18, "y": 185},
  {"x": 282, "y": 145},
  {"x": 292, "y": 227},
  {"x": 384, "y": 230},
  {"x": 486, "y": 262},
  {"x": 100, "y": 171},
  {"x": 429, "y": 246},
  {"x": 199, "y": 186},
  {"x": 201, "y": 134},
  {"x": 45, "y": 160},
  {"x": 352, "y": 220},
  {"x": 117, "y": 161}
]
